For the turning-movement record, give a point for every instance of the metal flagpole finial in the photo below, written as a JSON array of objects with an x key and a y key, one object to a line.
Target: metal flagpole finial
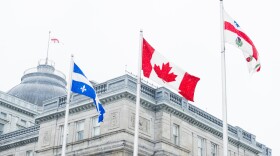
[{"x": 125, "y": 69}]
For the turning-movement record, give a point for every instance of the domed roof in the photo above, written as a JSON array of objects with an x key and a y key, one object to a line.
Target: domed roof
[{"x": 40, "y": 83}]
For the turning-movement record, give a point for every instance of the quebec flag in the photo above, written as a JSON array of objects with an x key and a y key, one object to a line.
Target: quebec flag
[{"x": 81, "y": 85}]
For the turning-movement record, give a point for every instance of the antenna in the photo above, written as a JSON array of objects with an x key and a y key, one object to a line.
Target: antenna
[
  {"x": 125, "y": 69},
  {"x": 48, "y": 48}
]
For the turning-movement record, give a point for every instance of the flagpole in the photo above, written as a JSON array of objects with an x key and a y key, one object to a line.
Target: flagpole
[
  {"x": 65, "y": 130},
  {"x": 224, "y": 95},
  {"x": 135, "y": 150},
  {"x": 48, "y": 48}
]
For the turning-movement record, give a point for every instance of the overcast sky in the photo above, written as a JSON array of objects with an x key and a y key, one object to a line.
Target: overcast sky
[{"x": 104, "y": 38}]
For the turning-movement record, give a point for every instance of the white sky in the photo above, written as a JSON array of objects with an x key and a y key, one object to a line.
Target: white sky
[{"x": 104, "y": 38}]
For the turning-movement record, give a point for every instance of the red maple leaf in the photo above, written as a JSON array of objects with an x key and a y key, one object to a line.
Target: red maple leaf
[{"x": 164, "y": 74}]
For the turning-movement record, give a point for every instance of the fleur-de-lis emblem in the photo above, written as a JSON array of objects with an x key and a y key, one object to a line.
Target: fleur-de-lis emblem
[{"x": 83, "y": 89}]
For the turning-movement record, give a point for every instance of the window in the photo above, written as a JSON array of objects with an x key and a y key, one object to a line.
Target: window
[
  {"x": 80, "y": 130},
  {"x": 200, "y": 146},
  {"x": 1, "y": 128},
  {"x": 214, "y": 150},
  {"x": 175, "y": 131},
  {"x": 3, "y": 115},
  {"x": 29, "y": 153},
  {"x": 61, "y": 131},
  {"x": 95, "y": 127}
]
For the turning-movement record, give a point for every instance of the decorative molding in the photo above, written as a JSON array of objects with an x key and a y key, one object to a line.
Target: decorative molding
[
  {"x": 18, "y": 109},
  {"x": 47, "y": 137},
  {"x": 214, "y": 131},
  {"x": 17, "y": 104},
  {"x": 110, "y": 146},
  {"x": 15, "y": 135},
  {"x": 114, "y": 120},
  {"x": 144, "y": 124},
  {"x": 171, "y": 144},
  {"x": 19, "y": 143},
  {"x": 19, "y": 138}
]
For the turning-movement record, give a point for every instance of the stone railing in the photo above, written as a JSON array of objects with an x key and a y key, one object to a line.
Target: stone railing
[
  {"x": 101, "y": 88},
  {"x": 54, "y": 103},
  {"x": 247, "y": 136},
  {"x": 48, "y": 67},
  {"x": 235, "y": 131},
  {"x": 205, "y": 115},
  {"x": 175, "y": 98},
  {"x": 126, "y": 81},
  {"x": 265, "y": 151}
]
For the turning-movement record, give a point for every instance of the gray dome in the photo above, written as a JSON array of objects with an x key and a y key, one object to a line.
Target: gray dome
[{"x": 40, "y": 83}]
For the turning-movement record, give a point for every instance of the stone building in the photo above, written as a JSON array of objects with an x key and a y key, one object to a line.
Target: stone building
[{"x": 31, "y": 123}]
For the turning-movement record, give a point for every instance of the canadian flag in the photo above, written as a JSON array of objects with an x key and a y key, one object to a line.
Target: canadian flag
[
  {"x": 160, "y": 70},
  {"x": 235, "y": 36}
]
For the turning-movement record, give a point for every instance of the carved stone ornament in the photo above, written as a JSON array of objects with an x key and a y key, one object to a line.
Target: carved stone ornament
[
  {"x": 144, "y": 124},
  {"x": 115, "y": 120},
  {"x": 46, "y": 137}
]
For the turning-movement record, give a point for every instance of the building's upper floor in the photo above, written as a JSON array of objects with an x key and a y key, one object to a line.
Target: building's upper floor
[
  {"x": 153, "y": 100},
  {"x": 156, "y": 99}
]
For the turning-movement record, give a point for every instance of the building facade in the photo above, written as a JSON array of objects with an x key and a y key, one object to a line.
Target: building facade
[{"x": 169, "y": 126}]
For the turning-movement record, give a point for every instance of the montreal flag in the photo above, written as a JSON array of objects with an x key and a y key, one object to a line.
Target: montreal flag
[
  {"x": 160, "y": 70},
  {"x": 235, "y": 35}
]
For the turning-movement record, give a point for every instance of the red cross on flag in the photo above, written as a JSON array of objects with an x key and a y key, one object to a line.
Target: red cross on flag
[{"x": 235, "y": 35}]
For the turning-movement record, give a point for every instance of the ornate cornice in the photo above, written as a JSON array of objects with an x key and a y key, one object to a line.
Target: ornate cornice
[
  {"x": 192, "y": 119},
  {"x": 19, "y": 109},
  {"x": 207, "y": 127},
  {"x": 61, "y": 112},
  {"x": 19, "y": 137},
  {"x": 18, "y": 105},
  {"x": 19, "y": 133},
  {"x": 156, "y": 99},
  {"x": 19, "y": 143}
]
